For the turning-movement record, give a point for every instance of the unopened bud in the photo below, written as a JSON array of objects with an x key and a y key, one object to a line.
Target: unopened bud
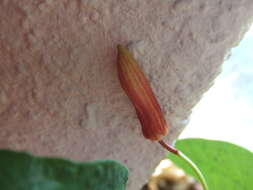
[{"x": 137, "y": 87}]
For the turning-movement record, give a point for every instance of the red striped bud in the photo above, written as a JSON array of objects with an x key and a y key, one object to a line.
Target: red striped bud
[{"x": 137, "y": 88}]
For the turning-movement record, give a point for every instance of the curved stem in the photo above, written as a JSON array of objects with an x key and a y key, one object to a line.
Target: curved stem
[
  {"x": 195, "y": 169},
  {"x": 188, "y": 161}
]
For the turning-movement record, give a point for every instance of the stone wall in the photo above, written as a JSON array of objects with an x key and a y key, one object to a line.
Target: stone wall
[{"x": 59, "y": 91}]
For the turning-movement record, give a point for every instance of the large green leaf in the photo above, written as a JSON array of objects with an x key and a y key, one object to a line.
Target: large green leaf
[
  {"x": 22, "y": 171},
  {"x": 225, "y": 166}
]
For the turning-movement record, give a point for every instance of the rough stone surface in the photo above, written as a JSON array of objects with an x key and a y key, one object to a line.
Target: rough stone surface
[{"x": 59, "y": 91}]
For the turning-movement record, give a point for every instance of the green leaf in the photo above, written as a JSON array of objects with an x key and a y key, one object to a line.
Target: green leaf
[
  {"x": 22, "y": 171},
  {"x": 225, "y": 166}
]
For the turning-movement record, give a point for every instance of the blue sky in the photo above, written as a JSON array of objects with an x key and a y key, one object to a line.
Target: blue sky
[{"x": 226, "y": 110}]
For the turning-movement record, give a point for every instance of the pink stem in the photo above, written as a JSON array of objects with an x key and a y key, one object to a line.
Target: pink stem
[{"x": 168, "y": 147}]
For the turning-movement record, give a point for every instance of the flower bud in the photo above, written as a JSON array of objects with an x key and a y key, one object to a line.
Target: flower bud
[{"x": 137, "y": 88}]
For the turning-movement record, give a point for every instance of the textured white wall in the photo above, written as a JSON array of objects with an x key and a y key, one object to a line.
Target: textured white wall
[{"x": 59, "y": 91}]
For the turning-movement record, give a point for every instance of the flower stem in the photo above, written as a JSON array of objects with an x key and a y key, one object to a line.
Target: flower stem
[{"x": 187, "y": 160}]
